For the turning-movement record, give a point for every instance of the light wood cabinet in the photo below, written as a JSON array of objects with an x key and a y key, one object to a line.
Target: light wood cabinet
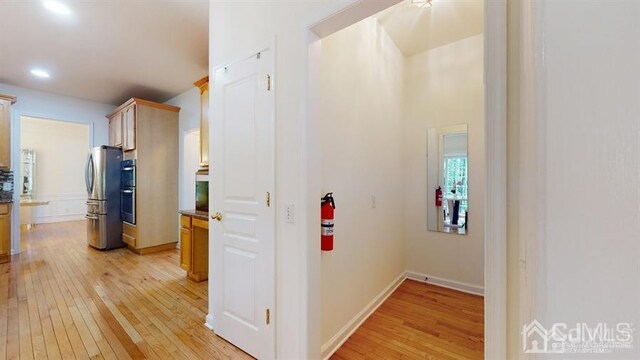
[
  {"x": 194, "y": 245},
  {"x": 5, "y": 233},
  {"x": 149, "y": 134},
  {"x": 5, "y": 130},
  {"x": 203, "y": 85},
  {"x": 122, "y": 128},
  {"x": 129, "y": 128},
  {"x": 115, "y": 130},
  {"x": 185, "y": 248}
]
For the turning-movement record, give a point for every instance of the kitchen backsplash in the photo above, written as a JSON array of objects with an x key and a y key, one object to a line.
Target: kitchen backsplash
[{"x": 6, "y": 185}]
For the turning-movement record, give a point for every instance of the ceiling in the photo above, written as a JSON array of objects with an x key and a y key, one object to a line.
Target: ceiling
[
  {"x": 108, "y": 50},
  {"x": 415, "y": 30}
]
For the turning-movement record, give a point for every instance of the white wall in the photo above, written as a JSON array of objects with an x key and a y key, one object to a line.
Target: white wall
[
  {"x": 189, "y": 150},
  {"x": 589, "y": 249},
  {"x": 61, "y": 151},
  {"x": 444, "y": 86},
  {"x": 362, "y": 150},
  {"x": 56, "y": 107}
]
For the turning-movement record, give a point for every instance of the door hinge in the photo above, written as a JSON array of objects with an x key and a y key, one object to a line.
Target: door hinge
[
  {"x": 268, "y": 82},
  {"x": 268, "y": 317},
  {"x": 268, "y": 199}
]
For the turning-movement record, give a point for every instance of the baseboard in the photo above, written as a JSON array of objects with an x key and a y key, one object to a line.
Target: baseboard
[
  {"x": 59, "y": 218},
  {"x": 341, "y": 337},
  {"x": 208, "y": 323},
  {"x": 451, "y": 284}
]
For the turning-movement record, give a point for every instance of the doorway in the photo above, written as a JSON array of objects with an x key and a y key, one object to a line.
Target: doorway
[
  {"x": 494, "y": 133},
  {"x": 402, "y": 119},
  {"x": 50, "y": 175}
]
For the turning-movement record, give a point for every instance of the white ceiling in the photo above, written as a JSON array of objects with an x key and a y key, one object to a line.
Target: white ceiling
[
  {"x": 106, "y": 50},
  {"x": 415, "y": 30}
]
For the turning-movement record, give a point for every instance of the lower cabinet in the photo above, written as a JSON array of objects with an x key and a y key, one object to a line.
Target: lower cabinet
[
  {"x": 194, "y": 247},
  {"x": 129, "y": 235},
  {"x": 5, "y": 233}
]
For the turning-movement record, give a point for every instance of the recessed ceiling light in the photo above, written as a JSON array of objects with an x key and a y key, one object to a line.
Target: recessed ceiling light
[
  {"x": 57, "y": 7},
  {"x": 40, "y": 73},
  {"x": 422, "y": 3}
]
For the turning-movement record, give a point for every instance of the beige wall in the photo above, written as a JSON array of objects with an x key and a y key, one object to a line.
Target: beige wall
[
  {"x": 444, "y": 86},
  {"x": 61, "y": 152},
  {"x": 362, "y": 149}
]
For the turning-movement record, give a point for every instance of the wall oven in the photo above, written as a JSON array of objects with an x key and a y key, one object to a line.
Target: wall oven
[{"x": 128, "y": 191}]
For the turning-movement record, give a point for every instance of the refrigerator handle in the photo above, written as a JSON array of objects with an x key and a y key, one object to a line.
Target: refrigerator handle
[{"x": 89, "y": 174}]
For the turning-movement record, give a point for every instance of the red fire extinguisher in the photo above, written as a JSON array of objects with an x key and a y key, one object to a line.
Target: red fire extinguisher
[
  {"x": 439, "y": 196},
  {"x": 327, "y": 208}
]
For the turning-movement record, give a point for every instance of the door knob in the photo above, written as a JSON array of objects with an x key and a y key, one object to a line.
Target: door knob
[{"x": 217, "y": 216}]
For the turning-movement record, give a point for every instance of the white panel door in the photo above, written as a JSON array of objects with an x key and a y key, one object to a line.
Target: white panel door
[{"x": 243, "y": 180}]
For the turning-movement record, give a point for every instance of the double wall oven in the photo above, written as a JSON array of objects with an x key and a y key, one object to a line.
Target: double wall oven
[{"x": 128, "y": 191}]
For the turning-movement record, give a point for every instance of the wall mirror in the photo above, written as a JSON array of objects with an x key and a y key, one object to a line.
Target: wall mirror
[
  {"x": 28, "y": 173},
  {"x": 447, "y": 180}
]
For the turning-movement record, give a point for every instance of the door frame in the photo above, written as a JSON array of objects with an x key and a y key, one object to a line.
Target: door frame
[
  {"x": 16, "y": 145},
  {"x": 344, "y": 14}
]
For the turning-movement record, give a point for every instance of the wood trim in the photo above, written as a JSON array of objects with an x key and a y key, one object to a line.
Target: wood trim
[
  {"x": 143, "y": 102},
  {"x": 202, "y": 84},
  {"x": 495, "y": 229},
  {"x": 331, "y": 346},
  {"x": 446, "y": 283},
  {"x": 10, "y": 98},
  {"x": 154, "y": 249}
]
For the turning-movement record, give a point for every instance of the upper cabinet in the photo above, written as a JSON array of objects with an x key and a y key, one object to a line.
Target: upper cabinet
[
  {"x": 122, "y": 127},
  {"x": 129, "y": 128},
  {"x": 5, "y": 130},
  {"x": 115, "y": 130},
  {"x": 203, "y": 85}
]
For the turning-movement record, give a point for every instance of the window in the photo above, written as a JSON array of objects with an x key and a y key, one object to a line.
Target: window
[{"x": 455, "y": 179}]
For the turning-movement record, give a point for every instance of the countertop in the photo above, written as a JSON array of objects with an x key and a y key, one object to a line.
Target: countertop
[
  {"x": 33, "y": 202},
  {"x": 6, "y": 201},
  {"x": 202, "y": 215}
]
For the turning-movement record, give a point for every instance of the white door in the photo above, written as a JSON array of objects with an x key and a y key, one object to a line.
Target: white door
[{"x": 243, "y": 236}]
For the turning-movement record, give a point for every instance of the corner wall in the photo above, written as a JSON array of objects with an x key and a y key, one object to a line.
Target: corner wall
[
  {"x": 189, "y": 151},
  {"x": 362, "y": 147},
  {"x": 444, "y": 86}
]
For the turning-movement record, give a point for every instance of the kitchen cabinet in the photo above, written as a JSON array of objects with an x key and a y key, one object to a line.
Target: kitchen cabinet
[
  {"x": 129, "y": 128},
  {"x": 203, "y": 85},
  {"x": 5, "y": 130},
  {"x": 194, "y": 244},
  {"x": 122, "y": 128},
  {"x": 115, "y": 130},
  {"x": 149, "y": 135},
  {"x": 5, "y": 233}
]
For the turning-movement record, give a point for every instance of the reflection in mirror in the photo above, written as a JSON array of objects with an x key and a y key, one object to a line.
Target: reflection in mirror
[
  {"x": 447, "y": 174},
  {"x": 28, "y": 176}
]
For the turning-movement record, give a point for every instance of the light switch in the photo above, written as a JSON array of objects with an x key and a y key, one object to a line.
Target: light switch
[
  {"x": 289, "y": 213},
  {"x": 373, "y": 201}
]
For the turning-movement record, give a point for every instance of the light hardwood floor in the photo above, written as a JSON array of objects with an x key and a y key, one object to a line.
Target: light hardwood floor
[
  {"x": 60, "y": 299},
  {"x": 420, "y": 321}
]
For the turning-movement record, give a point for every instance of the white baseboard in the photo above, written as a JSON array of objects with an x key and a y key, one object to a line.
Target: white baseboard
[
  {"x": 208, "y": 323},
  {"x": 59, "y": 218},
  {"x": 451, "y": 284},
  {"x": 341, "y": 337}
]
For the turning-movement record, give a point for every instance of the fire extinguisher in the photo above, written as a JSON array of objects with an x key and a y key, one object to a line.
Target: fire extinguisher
[
  {"x": 327, "y": 208},
  {"x": 439, "y": 196}
]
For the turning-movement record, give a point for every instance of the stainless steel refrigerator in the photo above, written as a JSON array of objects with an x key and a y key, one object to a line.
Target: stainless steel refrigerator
[{"x": 102, "y": 178}]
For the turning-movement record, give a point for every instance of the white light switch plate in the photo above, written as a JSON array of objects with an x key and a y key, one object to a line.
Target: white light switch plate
[
  {"x": 373, "y": 201},
  {"x": 289, "y": 213}
]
